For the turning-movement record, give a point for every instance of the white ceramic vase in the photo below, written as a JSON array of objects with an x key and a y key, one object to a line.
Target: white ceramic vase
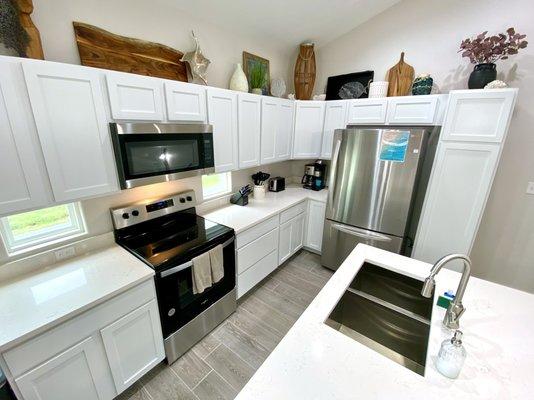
[{"x": 239, "y": 80}]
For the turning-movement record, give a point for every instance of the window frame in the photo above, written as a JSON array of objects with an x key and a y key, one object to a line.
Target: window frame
[
  {"x": 225, "y": 192},
  {"x": 48, "y": 236}
]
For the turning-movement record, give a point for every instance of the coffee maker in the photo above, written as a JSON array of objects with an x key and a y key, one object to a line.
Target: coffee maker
[
  {"x": 309, "y": 176},
  {"x": 314, "y": 175},
  {"x": 319, "y": 175}
]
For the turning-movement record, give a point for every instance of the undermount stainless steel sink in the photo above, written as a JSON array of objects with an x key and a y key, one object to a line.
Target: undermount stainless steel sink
[{"x": 385, "y": 311}]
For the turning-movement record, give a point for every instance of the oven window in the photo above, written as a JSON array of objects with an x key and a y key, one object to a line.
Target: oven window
[{"x": 162, "y": 156}]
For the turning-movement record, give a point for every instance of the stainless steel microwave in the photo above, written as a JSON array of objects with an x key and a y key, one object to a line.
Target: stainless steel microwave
[{"x": 148, "y": 153}]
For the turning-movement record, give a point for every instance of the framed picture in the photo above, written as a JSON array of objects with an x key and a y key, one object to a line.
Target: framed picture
[
  {"x": 250, "y": 62},
  {"x": 349, "y": 86}
]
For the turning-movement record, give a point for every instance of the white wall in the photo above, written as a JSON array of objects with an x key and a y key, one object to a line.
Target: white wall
[
  {"x": 157, "y": 22},
  {"x": 430, "y": 31}
]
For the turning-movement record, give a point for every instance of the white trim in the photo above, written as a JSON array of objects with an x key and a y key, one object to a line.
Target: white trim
[{"x": 47, "y": 236}]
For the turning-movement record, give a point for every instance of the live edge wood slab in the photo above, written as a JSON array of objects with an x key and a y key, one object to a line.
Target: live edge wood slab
[{"x": 102, "y": 49}]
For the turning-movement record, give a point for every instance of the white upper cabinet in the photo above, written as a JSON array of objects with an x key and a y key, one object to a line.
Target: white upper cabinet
[
  {"x": 135, "y": 97},
  {"x": 68, "y": 108},
  {"x": 222, "y": 115},
  {"x": 249, "y": 117},
  {"x": 269, "y": 123},
  {"x": 413, "y": 110},
  {"x": 185, "y": 101},
  {"x": 367, "y": 111},
  {"x": 335, "y": 118},
  {"x": 478, "y": 115},
  {"x": 23, "y": 181},
  {"x": 284, "y": 131},
  {"x": 309, "y": 120},
  {"x": 276, "y": 129}
]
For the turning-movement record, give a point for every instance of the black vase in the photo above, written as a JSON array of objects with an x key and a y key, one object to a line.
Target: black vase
[{"x": 482, "y": 75}]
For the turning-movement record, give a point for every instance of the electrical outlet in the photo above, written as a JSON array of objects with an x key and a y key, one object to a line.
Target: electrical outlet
[
  {"x": 530, "y": 188},
  {"x": 64, "y": 253}
]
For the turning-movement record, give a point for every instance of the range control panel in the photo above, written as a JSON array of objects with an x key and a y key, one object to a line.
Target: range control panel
[{"x": 147, "y": 210}]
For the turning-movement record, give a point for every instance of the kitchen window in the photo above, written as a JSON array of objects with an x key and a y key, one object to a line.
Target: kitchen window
[
  {"x": 215, "y": 185},
  {"x": 29, "y": 230}
]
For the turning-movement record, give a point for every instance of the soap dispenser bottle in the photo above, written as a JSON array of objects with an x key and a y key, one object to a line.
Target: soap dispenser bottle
[{"x": 451, "y": 356}]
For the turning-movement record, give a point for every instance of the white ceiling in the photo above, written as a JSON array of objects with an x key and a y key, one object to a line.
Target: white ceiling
[{"x": 285, "y": 22}]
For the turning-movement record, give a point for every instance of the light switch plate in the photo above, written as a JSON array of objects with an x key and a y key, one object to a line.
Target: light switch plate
[{"x": 530, "y": 188}]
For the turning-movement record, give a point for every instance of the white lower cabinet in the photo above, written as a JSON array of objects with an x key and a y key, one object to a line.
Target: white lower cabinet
[
  {"x": 314, "y": 226},
  {"x": 291, "y": 238},
  {"x": 73, "y": 373},
  {"x": 94, "y": 356},
  {"x": 133, "y": 345}
]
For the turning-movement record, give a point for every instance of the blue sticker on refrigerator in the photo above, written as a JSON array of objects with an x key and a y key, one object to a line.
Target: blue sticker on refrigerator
[{"x": 394, "y": 145}]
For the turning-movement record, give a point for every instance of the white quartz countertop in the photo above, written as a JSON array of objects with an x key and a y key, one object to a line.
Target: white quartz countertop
[
  {"x": 240, "y": 218},
  {"x": 33, "y": 303},
  {"x": 314, "y": 361}
]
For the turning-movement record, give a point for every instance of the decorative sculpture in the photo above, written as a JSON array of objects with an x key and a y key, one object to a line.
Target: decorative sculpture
[{"x": 198, "y": 64}]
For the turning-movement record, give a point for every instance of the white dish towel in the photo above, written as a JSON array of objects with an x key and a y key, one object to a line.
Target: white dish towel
[
  {"x": 217, "y": 263},
  {"x": 201, "y": 273}
]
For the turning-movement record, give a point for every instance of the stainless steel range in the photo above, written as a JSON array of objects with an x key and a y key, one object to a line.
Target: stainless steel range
[{"x": 166, "y": 235}]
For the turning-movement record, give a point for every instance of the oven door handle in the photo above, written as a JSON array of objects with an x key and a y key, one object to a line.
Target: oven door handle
[{"x": 188, "y": 264}]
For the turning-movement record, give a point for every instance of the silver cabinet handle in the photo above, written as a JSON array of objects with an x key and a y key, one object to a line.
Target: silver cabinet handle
[
  {"x": 332, "y": 176},
  {"x": 362, "y": 233},
  {"x": 188, "y": 264}
]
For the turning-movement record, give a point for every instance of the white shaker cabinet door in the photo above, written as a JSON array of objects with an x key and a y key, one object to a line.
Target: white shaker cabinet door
[
  {"x": 478, "y": 115},
  {"x": 455, "y": 200},
  {"x": 309, "y": 120},
  {"x": 297, "y": 233},
  {"x": 23, "y": 179},
  {"x": 222, "y": 115},
  {"x": 69, "y": 113},
  {"x": 75, "y": 373},
  {"x": 367, "y": 111},
  {"x": 314, "y": 229},
  {"x": 270, "y": 108},
  {"x": 284, "y": 129},
  {"x": 284, "y": 242},
  {"x": 185, "y": 101},
  {"x": 249, "y": 126},
  {"x": 134, "y": 345},
  {"x": 335, "y": 118},
  {"x": 135, "y": 97}
]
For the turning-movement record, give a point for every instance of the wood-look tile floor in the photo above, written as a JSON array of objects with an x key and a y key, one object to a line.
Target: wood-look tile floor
[{"x": 221, "y": 364}]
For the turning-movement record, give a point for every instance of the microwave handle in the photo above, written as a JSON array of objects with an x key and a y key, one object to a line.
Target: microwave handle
[{"x": 188, "y": 264}]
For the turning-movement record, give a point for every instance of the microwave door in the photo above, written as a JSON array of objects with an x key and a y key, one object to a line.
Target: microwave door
[{"x": 370, "y": 187}]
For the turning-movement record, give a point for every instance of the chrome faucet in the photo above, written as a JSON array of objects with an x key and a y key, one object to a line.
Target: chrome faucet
[{"x": 456, "y": 308}]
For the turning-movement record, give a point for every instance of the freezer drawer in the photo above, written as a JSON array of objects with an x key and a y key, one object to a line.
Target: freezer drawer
[{"x": 339, "y": 240}]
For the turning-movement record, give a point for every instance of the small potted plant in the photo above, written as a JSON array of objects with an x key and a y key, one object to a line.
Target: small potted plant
[
  {"x": 484, "y": 51},
  {"x": 258, "y": 79}
]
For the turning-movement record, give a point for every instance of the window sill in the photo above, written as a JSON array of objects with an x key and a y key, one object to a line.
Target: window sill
[{"x": 26, "y": 251}]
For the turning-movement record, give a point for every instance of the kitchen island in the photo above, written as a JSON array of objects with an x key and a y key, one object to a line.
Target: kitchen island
[{"x": 315, "y": 361}]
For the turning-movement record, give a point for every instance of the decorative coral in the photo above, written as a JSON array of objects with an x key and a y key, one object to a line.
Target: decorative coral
[{"x": 12, "y": 34}]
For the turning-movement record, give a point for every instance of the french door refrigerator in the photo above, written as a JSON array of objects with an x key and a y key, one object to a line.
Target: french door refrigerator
[{"x": 378, "y": 177}]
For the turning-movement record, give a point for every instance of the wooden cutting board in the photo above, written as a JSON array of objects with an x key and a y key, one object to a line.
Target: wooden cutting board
[
  {"x": 102, "y": 49},
  {"x": 400, "y": 78}
]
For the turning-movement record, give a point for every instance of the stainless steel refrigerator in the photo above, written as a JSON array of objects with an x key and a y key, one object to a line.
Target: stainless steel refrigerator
[{"x": 378, "y": 176}]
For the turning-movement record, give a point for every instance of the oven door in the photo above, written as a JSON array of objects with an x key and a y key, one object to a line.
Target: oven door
[
  {"x": 151, "y": 153},
  {"x": 177, "y": 303}
]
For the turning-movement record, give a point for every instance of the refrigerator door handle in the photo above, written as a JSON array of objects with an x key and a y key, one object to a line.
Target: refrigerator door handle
[
  {"x": 362, "y": 233},
  {"x": 332, "y": 177}
]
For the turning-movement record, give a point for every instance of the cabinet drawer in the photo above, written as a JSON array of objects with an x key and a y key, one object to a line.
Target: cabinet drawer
[
  {"x": 256, "y": 250},
  {"x": 43, "y": 347},
  {"x": 292, "y": 212},
  {"x": 252, "y": 276},
  {"x": 413, "y": 110},
  {"x": 255, "y": 232},
  {"x": 367, "y": 111}
]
